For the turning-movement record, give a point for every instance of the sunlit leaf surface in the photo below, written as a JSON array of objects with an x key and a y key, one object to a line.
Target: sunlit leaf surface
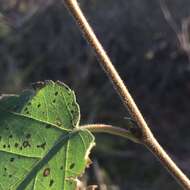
[{"x": 31, "y": 127}]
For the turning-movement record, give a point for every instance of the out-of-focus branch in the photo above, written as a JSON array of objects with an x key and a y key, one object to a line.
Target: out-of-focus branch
[
  {"x": 183, "y": 33},
  {"x": 18, "y": 19}
]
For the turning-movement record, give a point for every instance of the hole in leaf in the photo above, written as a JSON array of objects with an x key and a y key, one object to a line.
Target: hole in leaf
[
  {"x": 56, "y": 93},
  {"x": 39, "y": 105}
]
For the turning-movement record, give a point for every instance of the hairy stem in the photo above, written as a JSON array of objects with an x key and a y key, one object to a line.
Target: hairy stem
[
  {"x": 102, "y": 128},
  {"x": 147, "y": 137}
]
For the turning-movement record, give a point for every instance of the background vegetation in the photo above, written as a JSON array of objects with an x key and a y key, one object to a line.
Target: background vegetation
[{"x": 39, "y": 41}]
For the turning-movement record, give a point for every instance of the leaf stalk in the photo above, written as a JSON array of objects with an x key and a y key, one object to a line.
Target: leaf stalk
[{"x": 117, "y": 131}]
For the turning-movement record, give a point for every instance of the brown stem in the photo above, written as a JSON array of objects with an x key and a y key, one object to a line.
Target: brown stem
[{"x": 147, "y": 137}]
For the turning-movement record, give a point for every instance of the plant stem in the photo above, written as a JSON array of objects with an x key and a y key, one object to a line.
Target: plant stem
[
  {"x": 147, "y": 137},
  {"x": 102, "y": 128}
]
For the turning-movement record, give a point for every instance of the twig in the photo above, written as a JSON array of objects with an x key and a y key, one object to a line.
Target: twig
[{"x": 147, "y": 137}]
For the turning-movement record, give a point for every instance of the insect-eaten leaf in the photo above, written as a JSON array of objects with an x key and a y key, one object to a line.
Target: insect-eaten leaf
[{"x": 41, "y": 144}]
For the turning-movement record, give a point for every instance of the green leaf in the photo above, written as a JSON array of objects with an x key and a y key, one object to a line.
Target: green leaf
[{"x": 41, "y": 144}]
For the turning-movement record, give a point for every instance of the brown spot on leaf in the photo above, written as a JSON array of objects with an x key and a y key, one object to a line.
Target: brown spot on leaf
[
  {"x": 41, "y": 145},
  {"x": 48, "y": 126},
  {"x": 72, "y": 166},
  {"x": 26, "y": 144},
  {"x": 12, "y": 159},
  {"x": 28, "y": 136},
  {"x": 51, "y": 182},
  {"x": 16, "y": 145},
  {"x": 46, "y": 172}
]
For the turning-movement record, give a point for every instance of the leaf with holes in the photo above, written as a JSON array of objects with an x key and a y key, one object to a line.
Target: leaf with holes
[{"x": 41, "y": 144}]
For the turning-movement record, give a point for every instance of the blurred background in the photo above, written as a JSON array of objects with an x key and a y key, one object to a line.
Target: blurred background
[{"x": 148, "y": 42}]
